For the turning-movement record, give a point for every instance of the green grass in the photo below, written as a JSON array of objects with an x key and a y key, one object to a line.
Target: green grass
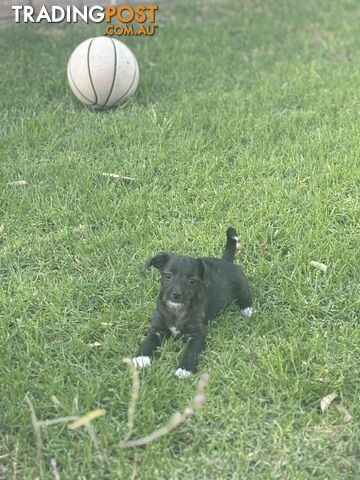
[{"x": 238, "y": 103}]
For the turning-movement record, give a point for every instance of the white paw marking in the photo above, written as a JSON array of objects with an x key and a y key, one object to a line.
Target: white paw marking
[
  {"x": 181, "y": 373},
  {"x": 247, "y": 312},
  {"x": 142, "y": 362}
]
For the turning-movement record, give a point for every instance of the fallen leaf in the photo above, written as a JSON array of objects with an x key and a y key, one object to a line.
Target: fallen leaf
[
  {"x": 344, "y": 411},
  {"x": 319, "y": 265},
  {"x": 95, "y": 344},
  {"x": 17, "y": 183},
  {"x": 327, "y": 401},
  {"x": 86, "y": 419}
]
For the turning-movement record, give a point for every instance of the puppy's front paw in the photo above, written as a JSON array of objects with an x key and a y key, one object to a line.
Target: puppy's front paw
[
  {"x": 182, "y": 373},
  {"x": 247, "y": 312},
  {"x": 141, "y": 362}
]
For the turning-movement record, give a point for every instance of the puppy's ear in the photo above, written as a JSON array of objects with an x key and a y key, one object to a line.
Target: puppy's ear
[
  {"x": 202, "y": 268},
  {"x": 159, "y": 261}
]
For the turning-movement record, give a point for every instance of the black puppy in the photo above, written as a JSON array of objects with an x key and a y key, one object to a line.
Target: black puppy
[{"x": 193, "y": 291}]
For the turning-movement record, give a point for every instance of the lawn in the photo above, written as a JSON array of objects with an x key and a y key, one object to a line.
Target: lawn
[{"x": 247, "y": 114}]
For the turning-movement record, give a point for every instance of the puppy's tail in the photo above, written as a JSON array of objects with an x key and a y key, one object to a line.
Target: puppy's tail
[{"x": 230, "y": 247}]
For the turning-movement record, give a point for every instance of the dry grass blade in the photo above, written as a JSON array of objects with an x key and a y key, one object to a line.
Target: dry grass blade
[
  {"x": 86, "y": 419},
  {"x": 319, "y": 265},
  {"x": 304, "y": 181},
  {"x": 347, "y": 416},
  {"x": 37, "y": 430},
  {"x": 57, "y": 402},
  {"x": 134, "y": 396},
  {"x": 17, "y": 183},
  {"x": 2, "y": 227},
  {"x": 173, "y": 422},
  {"x": 327, "y": 401},
  {"x": 116, "y": 175},
  {"x": 134, "y": 470},
  {"x": 92, "y": 435}
]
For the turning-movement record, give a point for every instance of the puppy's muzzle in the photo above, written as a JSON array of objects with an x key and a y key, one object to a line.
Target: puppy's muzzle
[{"x": 176, "y": 296}]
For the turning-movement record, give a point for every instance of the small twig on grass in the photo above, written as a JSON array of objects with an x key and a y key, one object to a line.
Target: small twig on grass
[
  {"x": 37, "y": 430},
  {"x": 121, "y": 177},
  {"x": 134, "y": 396},
  {"x": 175, "y": 420},
  {"x": 55, "y": 421},
  {"x": 17, "y": 183},
  {"x": 86, "y": 419},
  {"x": 134, "y": 470}
]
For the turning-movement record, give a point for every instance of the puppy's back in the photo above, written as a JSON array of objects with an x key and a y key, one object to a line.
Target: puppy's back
[{"x": 225, "y": 283}]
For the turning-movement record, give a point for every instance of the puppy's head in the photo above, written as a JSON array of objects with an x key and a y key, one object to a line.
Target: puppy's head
[{"x": 181, "y": 278}]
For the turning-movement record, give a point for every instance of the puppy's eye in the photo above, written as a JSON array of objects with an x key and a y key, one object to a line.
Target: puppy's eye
[
  {"x": 167, "y": 275},
  {"x": 192, "y": 281}
]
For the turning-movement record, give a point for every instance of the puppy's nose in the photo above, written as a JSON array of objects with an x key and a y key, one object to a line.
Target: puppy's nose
[{"x": 176, "y": 295}]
